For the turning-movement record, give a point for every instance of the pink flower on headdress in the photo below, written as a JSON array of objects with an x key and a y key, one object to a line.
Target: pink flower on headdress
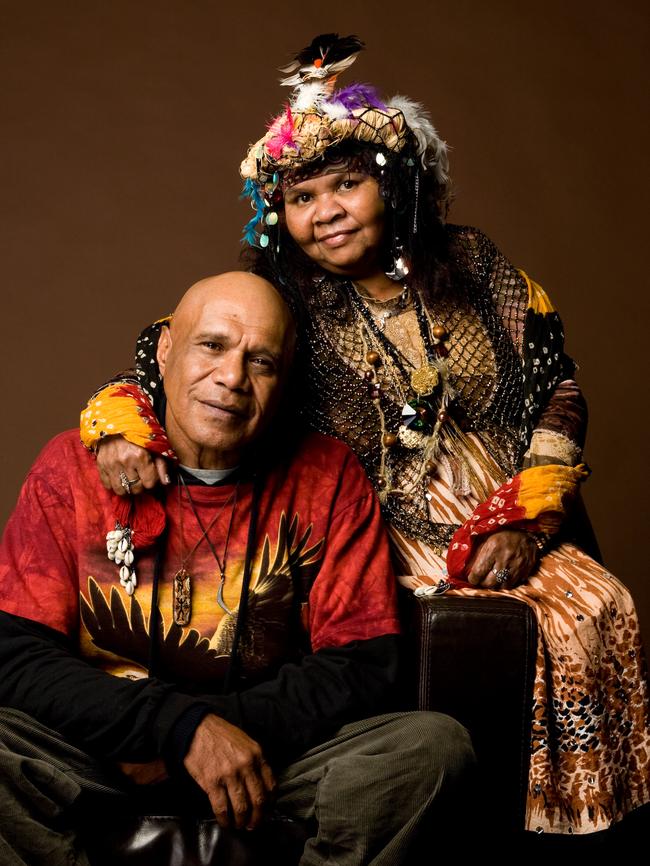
[{"x": 281, "y": 130}]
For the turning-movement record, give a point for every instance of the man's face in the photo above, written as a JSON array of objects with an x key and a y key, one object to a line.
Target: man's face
[{"x": 223, "y": 361}]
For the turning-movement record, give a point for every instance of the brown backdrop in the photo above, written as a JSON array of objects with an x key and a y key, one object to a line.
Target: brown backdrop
[{"x": 124, "y": 124}]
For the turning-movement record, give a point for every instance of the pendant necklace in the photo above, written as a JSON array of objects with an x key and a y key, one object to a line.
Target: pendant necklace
[
  {"x": 182, "y": 584},
  {"x": 419, "y": 411}
]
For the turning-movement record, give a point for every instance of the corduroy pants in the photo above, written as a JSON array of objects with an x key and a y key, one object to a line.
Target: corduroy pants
[{"x": 380, "y": 790}]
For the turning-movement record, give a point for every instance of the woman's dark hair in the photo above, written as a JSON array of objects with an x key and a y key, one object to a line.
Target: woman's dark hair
[{"x": 416, "y": 206}]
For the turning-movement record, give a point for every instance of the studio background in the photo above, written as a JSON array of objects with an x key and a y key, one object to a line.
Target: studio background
[{"x": 124, "y": 124}]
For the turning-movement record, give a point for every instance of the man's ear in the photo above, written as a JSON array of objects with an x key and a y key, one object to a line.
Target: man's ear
[{"x": 164, "y": 345}]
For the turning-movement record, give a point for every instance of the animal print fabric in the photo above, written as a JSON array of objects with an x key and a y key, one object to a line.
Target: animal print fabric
[{"x": 590, "y": 739}]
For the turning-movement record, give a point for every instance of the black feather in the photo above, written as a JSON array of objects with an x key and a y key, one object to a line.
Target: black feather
[{"x": 330, "y": 48}]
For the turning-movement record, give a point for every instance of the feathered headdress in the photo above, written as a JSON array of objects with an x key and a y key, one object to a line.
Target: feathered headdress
[{"x": 318, "y": 117}]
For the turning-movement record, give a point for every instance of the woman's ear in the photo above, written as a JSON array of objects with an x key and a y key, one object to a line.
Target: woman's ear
[{"x": 164, "y": 345}]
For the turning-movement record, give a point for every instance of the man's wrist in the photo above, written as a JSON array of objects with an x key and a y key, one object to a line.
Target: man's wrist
[{"x": 181, "y": 736}]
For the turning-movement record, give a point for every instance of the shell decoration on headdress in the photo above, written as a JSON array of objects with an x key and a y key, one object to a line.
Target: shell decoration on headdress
[{"x": 318, "y": 117}]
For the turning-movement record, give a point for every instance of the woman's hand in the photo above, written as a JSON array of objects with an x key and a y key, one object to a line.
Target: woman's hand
[
  {"x": 511, "y": 549},
  {"x": 117, "y": 458}
]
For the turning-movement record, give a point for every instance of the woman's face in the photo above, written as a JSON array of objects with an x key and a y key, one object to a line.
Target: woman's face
[{"x": 337, "y": 219}]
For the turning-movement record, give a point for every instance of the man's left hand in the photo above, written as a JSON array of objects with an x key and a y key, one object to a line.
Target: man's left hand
[
  {"x": 511, "y": 549},
  {"x": 145, "y": 774},
  {"x": 230, "y": 767}
]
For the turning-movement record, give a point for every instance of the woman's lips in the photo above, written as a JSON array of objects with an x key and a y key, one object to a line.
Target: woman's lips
[{"x": 336, "y": 239}]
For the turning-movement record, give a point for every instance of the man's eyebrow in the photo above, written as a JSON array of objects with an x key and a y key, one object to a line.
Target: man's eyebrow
[
  {"x": 210, "y": 335},
  {"x": 222, "y": 337}
]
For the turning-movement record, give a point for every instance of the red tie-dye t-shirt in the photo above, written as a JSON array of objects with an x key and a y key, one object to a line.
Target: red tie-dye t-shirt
[{"x": 319, "y": 528}]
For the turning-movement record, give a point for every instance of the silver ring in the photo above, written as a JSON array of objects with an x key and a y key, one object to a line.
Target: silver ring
[
  {"x": 502, "y": 574},
  {"x": 127, "y": 482}
]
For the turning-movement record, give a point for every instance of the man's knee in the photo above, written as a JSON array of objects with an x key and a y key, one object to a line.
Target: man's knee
[{"x": 440, "y": 746}]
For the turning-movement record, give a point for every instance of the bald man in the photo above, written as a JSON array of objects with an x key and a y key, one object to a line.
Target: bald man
[{"x": 221, "y": 646}]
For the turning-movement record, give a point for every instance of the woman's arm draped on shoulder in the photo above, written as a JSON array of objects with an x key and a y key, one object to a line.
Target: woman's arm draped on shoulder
[
  {"x": 123, "y": 417},
  {"x": 129, "y": 404}
]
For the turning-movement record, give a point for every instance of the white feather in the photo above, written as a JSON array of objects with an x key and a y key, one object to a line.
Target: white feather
[
  {"x": 308, "y": 95},
  {"x": 335, "y": 110},
  {"x": 431, "y": 148}
]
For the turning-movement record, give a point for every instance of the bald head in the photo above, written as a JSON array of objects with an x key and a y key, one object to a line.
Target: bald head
[
  {"x": 224, "y": 359},
  {"x": 245, "y": 293}
]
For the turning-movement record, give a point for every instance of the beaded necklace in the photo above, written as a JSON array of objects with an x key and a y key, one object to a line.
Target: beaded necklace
[
  {"x": 427, "y": 425},
  {"x": 424, "y": 380}
]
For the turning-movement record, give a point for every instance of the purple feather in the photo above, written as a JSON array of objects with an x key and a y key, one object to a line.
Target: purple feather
[{"x": 358, "y": 96}]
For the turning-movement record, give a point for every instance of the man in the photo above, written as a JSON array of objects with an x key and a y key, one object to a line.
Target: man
[{"x": 223, "y": 643}]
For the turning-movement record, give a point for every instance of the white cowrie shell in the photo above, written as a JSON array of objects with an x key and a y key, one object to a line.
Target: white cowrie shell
[{"x": 128, "y": 557}]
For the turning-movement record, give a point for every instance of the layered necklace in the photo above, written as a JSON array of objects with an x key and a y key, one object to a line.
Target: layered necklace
[
  {"x": 429, "y": 392},
  {"x": 182, "y": 583},
  {"x": 426, "y": 424}
]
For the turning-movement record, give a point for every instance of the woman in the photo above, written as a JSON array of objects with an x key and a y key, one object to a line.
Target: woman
[{"x": 442, "y": 366}]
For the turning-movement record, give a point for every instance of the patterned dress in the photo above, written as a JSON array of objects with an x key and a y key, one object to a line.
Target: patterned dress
[{"x": 590, "y": 740}]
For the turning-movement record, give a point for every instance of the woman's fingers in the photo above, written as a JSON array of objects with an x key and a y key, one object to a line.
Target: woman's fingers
[
  {"x": 161, "y": 469},
  {"x": 481, "y": 564},
  {"x": 504, "y": 559},
  {"x": 127, "y": 468}
]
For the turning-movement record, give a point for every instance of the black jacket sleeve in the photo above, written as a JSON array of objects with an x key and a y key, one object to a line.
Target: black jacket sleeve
[
  {"x": 306, "y": 703},
  {"x": 137, "y": 720}
]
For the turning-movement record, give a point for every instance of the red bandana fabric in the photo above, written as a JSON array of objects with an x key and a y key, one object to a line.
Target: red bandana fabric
[{"x": 534, "y": 500}]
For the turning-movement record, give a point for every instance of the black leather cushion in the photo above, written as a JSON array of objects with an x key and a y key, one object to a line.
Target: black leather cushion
[
  {"x": 184, "y": 841},
  {"x": 475, "y": 659}
]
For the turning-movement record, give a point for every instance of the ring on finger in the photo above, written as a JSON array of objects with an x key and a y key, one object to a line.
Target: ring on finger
[
  {"x": 127, "y": 482},
  {"x": 502, "y": 575}
]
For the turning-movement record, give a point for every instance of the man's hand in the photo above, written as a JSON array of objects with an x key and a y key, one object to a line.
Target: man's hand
[
  {"x": 230, "y": 767},
  {"x": 510, "y": 548},
  {"x": 115, "y": 455},
  {"x": 145, "y": 774}
]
